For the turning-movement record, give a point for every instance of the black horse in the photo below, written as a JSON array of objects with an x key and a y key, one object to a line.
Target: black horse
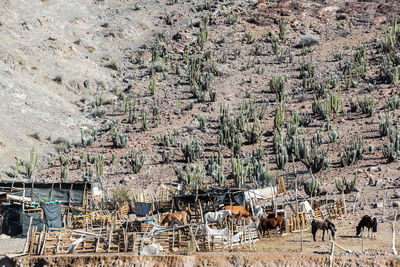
[
  {"x": 370, "y": 223},
  {"x": 323, "y": 225}
]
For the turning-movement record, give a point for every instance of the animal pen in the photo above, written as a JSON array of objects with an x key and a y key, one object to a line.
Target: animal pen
[{"x": 88, "y": 227}]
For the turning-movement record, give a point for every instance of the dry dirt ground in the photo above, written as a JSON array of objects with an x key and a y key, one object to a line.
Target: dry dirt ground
[{"x": 104, "y": 52}]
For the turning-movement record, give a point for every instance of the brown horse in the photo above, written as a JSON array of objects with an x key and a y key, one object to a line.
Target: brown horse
[
  {"x": 369, "y": 222},
  {"x": 181, "y": 216},
  {"x": 323, "y": 225},
  {"x": 238, "y": 211},
  {"x": 272, "y": 222}
]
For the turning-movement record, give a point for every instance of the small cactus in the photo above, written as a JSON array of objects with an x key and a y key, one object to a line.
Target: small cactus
[
  {"x": 312, "y": 187},
  {"x": 135, "y": 159},
  {"x": 191, "y": 175},
  {"x": 192, "y": 150},
  {"x": 345, "y": 186}
]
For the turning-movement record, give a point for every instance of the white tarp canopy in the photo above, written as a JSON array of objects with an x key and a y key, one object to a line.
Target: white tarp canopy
[{"x": 262, "y": 193}]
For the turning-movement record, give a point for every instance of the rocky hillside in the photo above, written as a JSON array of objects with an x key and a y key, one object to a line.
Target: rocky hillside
[{"x": 245, "y": 92}]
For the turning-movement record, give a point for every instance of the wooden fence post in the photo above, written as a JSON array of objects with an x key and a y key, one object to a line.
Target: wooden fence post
[
  {"x": 332, "y": 252},
  {"x": 393, "y": 234}
]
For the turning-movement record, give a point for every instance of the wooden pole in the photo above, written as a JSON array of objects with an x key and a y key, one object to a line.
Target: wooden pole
[
  {"x": 295, "y": 185},
  {"x": 301, "y": 237},
  {"x": 28, "y": 234},
  {"x": 393, "y": 234},
  {"x": 362, "y": 242},
  {"x": 332, "y": 252}
]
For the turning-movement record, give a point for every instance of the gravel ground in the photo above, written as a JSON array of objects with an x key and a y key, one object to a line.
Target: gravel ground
[{"x": 11, "y": 245}]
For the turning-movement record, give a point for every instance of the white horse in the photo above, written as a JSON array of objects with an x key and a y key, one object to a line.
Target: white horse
[{"x": 218, "y": 216}]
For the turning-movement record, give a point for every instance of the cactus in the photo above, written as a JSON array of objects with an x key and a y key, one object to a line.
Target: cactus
[
  {"x": 317, "y": 161},
  {"x": 279, "y": 119},
  {"x": 252, "y": 133},
  {"x": 281, "y": 156},
  {"x": 385, "y": 126},
  {"x": 312, "y": 187},
  {"x": 64, "y": 173},
  {"x": 145, "y": 121},
  {"x": 119, "y": 140},
  {"x": 393, "y": 102},
  {"x": 277, "y": 84},
  {"x": 191, "y": 175},
  {"x": 367, "y": 106},
  {"x": 345, "y": 186},
  {"x": 353, "y": 152},
  {"x": 391, "y": 151},
  {"x": 167, "y": 155},
  {"x": 99, "y": 166},
  {"x": 317, "y": 138},
  {"x": 135, "y": 159},
  {"x": 202, "y": 118},
  {"x": 299, "y": 147},
  {"x": 192, "y": 150},
  {"x": 240, "y": 171},
  {"x": 31, "y": 164},
  {"x": 87, "y": 175}
]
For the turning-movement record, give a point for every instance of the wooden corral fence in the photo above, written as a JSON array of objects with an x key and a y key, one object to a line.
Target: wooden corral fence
[
  {"x": 294, "y": 222},
  {"x": 112, "y": 240},
  {"x": 330, "y": 211}
]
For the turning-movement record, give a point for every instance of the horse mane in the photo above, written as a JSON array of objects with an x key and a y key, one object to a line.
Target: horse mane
[{"x": 374, "y": 225}]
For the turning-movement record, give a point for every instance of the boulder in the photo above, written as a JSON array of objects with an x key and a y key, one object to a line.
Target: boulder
[{"x": 152, "y": 249}]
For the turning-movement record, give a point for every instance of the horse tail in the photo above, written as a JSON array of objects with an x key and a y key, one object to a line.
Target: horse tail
[
  {"x": 374, "y": 225},
  {"x": 188, "y": 216},
  {"x": 283, "y": 225}
]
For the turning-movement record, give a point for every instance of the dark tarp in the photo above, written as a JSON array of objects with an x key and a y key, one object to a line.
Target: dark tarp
[
  {"x": 76, "y": 211},
  {"x": 52, "y": 214},
  {"x": 142, "y": 209},
  {"x": 41, "y": 194},
  {"x": 11, "y": 221},
  {"x": 61, "y": 195},
  {"x": 76, "y": 196},
  {"x": 36, "y": 221},
  {"x": 239, "y": 198}
]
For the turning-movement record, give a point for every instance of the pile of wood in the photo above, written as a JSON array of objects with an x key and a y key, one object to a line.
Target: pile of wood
[
  {"x": 116, "y": 238},
  {"x": 330, "y": 211}
]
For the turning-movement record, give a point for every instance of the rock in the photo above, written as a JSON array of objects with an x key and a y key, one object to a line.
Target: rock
[
  {"x": 378, "y": 204},
  {"x": 152, "y": 249},
  {"x": 396, "y": 195},
  {"x": 373, "y": 169},
  {"x": 396, "y": 204}
]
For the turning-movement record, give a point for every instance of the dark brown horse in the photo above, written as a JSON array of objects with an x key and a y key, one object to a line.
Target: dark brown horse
[
  {"x": 323, "y": 225},
  {"x": 272, "y": 222},
  {"x": 370, "y": 223}
]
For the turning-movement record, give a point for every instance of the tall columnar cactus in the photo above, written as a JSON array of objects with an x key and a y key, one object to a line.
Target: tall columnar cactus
[
  {"x": 253, "y": 131},
  {"x": 119, "y": 140},
  {"x": 279, "y": 119},
  {"x": 192, "y": 150},
  {"x": 240, "y": 171},
  {"x": 30, "y": 165},
  {"x": 135, "y": 159},
  {"x": 87, "y": 175},
  {"x": 312, "y": 187},
  {"x": 385, "y": 126},
  {"x": 345, "y": 186},
  {"x": 278, "y": 86},
  {"x": 353, "y": 152},
  {"x": 391, "y": 151},
  {"x": 317, "y": 161},
  {"x": 282, "y": 156},
  {"x": 191, "y": 174}
]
